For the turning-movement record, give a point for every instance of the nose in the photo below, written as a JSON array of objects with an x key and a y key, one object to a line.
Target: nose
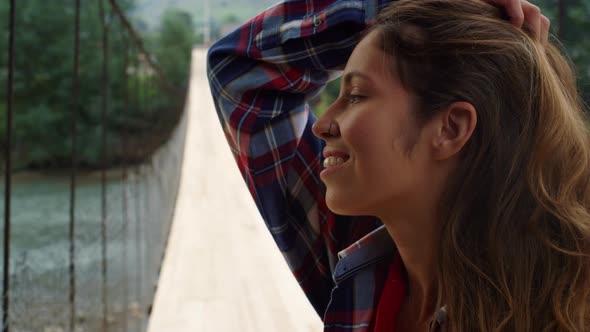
[{"x": 325, "y": 127}]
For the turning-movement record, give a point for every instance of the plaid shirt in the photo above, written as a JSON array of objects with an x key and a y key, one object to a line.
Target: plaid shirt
[{"x": 261, "y": 77}]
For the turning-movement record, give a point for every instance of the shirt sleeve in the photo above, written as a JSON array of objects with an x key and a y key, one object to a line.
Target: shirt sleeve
[{"x": 261, "y": 76}]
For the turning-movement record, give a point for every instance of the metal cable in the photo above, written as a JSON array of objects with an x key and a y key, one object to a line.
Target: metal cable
[
  {"x": 138, "y": 243},
  {"x": 137, "y": 86},
  {"x": 139, "y": 44},
  {"x": 8, "y": 168},
  {"x": 75, "y": 92},
  {"x": 142, "y": 219},
  {"x": 561, "y": 14},
  {"x": 124, "y": 182},
  {"x": 149, "y": 62},
  {"x": 104, "y": 108}
]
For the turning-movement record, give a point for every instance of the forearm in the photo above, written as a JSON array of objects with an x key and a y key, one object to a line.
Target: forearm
[{"x": 290, "y": 48}]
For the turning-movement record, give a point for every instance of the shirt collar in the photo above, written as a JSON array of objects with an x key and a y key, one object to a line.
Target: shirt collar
[{"x": 373, "y": 247}]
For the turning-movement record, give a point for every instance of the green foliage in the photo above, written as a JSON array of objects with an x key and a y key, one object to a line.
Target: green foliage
[
  {"x": 175, "y": 44},
  {"x": 573, "y": 35},
  {"x": 137, "y": 105},
  {"x": 327, "y": 97}
]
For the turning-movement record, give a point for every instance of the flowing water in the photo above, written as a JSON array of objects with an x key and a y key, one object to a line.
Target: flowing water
[{"x": 40, "y": 245}]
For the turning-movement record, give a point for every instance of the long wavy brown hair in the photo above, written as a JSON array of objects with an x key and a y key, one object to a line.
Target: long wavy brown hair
[{"x": 515, "y": 247}]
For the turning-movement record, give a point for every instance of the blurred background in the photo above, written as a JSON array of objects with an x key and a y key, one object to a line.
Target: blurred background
[
  {"x": 570, "y": 19},
  {"x": 98, "y": 128},
  {"x": 90, "y": 217}
]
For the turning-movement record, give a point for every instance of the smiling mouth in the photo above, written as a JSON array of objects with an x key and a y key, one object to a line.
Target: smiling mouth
[{"x": 333, "y": 161}]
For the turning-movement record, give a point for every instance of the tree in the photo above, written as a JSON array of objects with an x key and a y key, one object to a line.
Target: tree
[
  {"x": 571, "y": 27},
  {"x": 174, "y": 45},
  {"x": 43, "y": 84}
]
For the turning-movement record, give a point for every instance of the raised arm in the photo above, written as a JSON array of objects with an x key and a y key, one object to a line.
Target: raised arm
[{"x": 261, "y": 77}]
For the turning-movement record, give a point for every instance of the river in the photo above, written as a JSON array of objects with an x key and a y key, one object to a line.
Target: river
[{"x": 39, "y": 251}]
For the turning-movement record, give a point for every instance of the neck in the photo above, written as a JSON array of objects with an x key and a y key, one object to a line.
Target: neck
[
  {"x": 417, "y": 240},
  {"x": 421, "y": 293},
  {"x": 414, "y": 224}
]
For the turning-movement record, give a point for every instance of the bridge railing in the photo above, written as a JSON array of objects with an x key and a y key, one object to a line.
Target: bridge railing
[{"x": 82, "y": 251}]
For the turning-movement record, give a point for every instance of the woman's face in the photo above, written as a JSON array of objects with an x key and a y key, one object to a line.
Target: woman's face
[{"x": 385, "y": 155}]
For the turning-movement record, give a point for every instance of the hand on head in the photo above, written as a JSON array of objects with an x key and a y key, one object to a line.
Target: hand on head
[{"x": 523, "y": 12}]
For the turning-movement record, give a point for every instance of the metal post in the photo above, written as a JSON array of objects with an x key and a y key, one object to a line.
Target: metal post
[
  {"x": 138, "y": 252},
  {"x": 8, "y": 168},
  {"x": 561, "y": 13},
  {"x": 75, "y": 92},
  {"x": 104, "y": 107},
  {"x": 124, "y": 186}
]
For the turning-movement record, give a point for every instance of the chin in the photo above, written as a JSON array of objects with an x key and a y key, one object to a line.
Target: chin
[{"x": 343, "y": 206}]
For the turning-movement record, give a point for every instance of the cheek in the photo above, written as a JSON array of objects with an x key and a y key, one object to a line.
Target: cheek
[
  {"x": 370, "y": 165},
  {"x": 365, "y": 129},
  {"x": 374, "y": 143},
  {"x": 380, "y": 147},
  {"x": 374, "y": 136}
]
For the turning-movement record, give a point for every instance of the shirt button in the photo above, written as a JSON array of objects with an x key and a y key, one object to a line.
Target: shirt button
[{"x": 317, "y": 21}]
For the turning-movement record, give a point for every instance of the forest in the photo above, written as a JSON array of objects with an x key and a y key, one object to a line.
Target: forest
[{"x": 142, "y": 104}]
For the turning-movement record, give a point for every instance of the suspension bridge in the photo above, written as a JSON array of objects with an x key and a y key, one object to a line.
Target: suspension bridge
[
  {"x": 234, "y": 277},
  {"x": 173, "y": 243}
]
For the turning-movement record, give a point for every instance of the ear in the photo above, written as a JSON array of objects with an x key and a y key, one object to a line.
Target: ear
[{"x": 454, "y": 128}]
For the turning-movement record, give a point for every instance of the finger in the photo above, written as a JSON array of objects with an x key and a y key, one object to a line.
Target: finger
[
  {"x": 545, "y": 23},
  {"x": 532, "y": 18},
  {"x": 513, "y": 9}
]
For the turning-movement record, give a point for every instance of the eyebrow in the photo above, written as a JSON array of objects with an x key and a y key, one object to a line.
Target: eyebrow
[{"x": 350, "y": 75}]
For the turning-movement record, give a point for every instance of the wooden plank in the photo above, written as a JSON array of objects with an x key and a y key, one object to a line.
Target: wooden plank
[{"x": 222, "y": 271}]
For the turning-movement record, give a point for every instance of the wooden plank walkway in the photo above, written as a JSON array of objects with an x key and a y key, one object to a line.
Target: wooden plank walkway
[{"x": 222, "y": 271}]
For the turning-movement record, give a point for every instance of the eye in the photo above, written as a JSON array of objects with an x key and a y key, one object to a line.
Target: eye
[{"x": 354, "y": 99}]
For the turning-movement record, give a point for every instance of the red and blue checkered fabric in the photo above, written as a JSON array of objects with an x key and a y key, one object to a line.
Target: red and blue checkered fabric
[{"x": 261, "y": 77}]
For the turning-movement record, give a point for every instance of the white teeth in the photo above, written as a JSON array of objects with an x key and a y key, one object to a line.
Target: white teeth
[{"x": 333, "y": 161}]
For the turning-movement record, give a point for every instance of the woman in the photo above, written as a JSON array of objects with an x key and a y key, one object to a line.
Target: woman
[{"x": 460, "y": 135}]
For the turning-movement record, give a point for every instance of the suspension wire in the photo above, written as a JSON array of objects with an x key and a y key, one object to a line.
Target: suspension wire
[
  {"x": 138, "y": 80},
  {"x": 151, "y": 94},
  {"x": 140, "y": 84},
  {"x": 165, "y": 82},
  {"x": 138, "y": 243},
  {"x": 561, "y": 13},
  {"x": 104, "y": 107},
  {"x": 140, "y": 198},
  {"x": 148, "y": 92},
  {"x": 124, "y": 181},
  {"x": 75, "y": 105},
  {"x": 8, "y": 168},
  {"x": 137, "y": 86},
  {"x": 146, "y": 89},
  {"x": 74, "y": 165}
]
